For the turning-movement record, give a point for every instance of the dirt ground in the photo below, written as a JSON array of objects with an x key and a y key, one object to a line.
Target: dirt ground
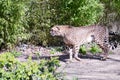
[{"x": 93, "y": 69}]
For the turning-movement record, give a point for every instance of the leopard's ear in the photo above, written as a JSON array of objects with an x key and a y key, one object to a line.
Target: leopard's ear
[{"x": 58, "y": 28}]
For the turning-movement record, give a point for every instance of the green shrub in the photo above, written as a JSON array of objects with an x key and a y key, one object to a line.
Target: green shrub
[
  {"x": 12, "y": 13},
  {"x": 38, "y": 18},
  {"x": 83, "y": 49},
  {"x": 12, "y": 69},
  {"x": 77, "y": 12},
  {"x": 95, "y": 49}
]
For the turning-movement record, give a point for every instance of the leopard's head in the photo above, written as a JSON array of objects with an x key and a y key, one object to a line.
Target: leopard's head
[
  {"x": 58, "y": 30},
  {"x": 55, "y": 31}
]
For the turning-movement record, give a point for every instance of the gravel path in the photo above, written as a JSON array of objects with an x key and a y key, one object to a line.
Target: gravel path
[{"x": 93, "y": 69}]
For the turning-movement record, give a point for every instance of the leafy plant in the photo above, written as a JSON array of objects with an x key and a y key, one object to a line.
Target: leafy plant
[
  {"x": 38, "y": 18},
  {"x": 83, "y": 49},
  {"x": 77, "y": 12},
  {"x": 12, "y": 69},
  {"x": 12, "y": 21},
  {"x": 95, "y": 49}
]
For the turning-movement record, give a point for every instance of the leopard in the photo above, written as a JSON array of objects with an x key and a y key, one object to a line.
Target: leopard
[{"x": 74, "y": 37}]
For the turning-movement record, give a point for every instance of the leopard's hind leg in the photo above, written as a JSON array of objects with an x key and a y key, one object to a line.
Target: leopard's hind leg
[{"x": 105, "y": 48}]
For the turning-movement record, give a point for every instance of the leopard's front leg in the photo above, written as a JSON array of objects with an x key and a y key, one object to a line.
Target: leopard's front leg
[
  {"x": 70, "y": 54},
  {"x": 76, "y": 52}
]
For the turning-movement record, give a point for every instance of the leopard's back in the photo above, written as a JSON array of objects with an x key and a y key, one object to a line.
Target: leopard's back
[{"x": 81, "y": 35}]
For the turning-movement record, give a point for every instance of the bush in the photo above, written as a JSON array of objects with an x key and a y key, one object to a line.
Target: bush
[
  {"x": 77, "y": 12},
  {"x": 12, "y": 13},
  {"x": 38, "y": 17},
  {"x": 12, "y": 69},
  {"x": 95, "y": 49}
]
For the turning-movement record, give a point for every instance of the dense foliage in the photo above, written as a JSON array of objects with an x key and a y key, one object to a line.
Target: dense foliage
[
  {"x": 38, "y": 17},
  {"x": 12, "y": 69},
  {"x": 78, "y": 12},
  {"x": 12, "y": 22}
]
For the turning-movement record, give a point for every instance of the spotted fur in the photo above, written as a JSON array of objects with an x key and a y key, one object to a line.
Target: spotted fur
[{"x": 74, "y": 37}]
